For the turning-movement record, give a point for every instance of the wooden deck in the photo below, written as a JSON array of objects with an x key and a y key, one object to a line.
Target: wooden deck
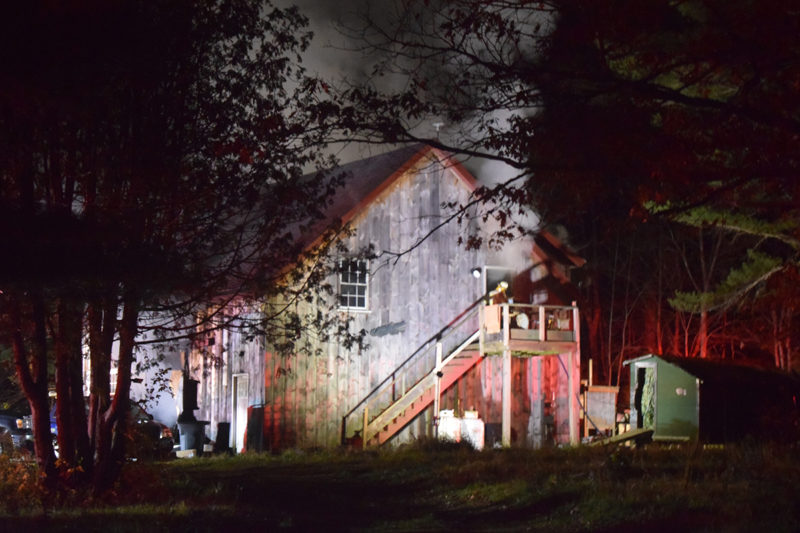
[{"x": 526, "y": 347}]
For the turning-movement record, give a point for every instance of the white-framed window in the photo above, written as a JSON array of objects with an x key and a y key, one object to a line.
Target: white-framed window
[{"x": 353, "y": 283}]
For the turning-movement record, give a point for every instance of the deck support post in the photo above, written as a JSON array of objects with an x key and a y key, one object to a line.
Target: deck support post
[
  {"x": 573, "y": 427},
  {"x": 575, "y": 352},
  {"x": 506, "y": 429}
]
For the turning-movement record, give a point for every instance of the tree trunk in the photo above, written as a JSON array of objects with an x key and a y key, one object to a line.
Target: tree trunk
[
  {"x": 31, "y": 367},
  {"x": 64, "y": 346},
  {"x": 660, "y": 298},
  {"x": 594, "y": 322},
  {"x": 702, "y": 333},
  {"x": 102, "y": 322},
  {"x": 73, "y": 438},
  {"x": 609, "y": 358},
  {"x": 111, "y": 436}
]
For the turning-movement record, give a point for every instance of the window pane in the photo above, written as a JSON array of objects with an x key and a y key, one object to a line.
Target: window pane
[{"x": 353, "y": 281}]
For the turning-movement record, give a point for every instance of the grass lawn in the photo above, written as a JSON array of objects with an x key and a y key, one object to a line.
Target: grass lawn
[{"x": 440, "y": 487}]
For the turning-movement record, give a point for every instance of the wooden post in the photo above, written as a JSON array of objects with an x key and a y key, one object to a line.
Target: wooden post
[
  {"x": 586, "y": 401},
  {"x": 542, "y": 325},
  {"x": 366, "y": 422},
  {"x": 481, "y": 328},
  {"x": 437, "y": 389},
  {"x": 576, "y": 328},
  {"x": 575, "y": 352},
  {"x": 573, "y": 428},
  {"x": 506, "y": 378},
  {"x": 538, "y": 409}
]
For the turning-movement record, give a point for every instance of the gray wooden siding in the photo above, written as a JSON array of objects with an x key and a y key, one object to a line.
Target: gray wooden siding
[{"x": 411, "y": 297}]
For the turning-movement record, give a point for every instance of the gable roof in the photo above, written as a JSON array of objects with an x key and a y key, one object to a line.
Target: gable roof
[{"x": 365, "y": 179}]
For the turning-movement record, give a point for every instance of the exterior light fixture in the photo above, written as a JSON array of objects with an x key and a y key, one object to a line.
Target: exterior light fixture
[{"x": 476, "y": 272}]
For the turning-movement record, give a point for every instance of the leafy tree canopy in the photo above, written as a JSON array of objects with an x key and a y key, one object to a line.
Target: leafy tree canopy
[
  {"x": 694, "y": 102},
  {"x": 149, "y": 161}
]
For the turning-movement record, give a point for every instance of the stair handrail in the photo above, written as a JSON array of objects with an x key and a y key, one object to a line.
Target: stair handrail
[{"x": 435, "y": 337}]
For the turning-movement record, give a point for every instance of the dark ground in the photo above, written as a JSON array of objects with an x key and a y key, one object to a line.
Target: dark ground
[{"x": 439, "y": 487}]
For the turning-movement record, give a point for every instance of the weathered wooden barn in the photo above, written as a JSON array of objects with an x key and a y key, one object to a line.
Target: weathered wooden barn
[
  {"x": 687, "y": 398},
  {"x": 433, "y": 342}
]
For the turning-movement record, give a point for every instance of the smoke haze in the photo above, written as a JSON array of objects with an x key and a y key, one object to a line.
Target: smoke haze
[{"x": 337, "y": 58}]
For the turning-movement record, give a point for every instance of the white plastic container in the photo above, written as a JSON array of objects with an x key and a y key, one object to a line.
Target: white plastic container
[
  {"x": 473, "y": 431},
  {"x": 449, "y": 426}
]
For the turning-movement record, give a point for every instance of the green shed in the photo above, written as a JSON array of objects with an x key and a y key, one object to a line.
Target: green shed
[
  {"x": 665, "y": 398},
  {"x": 715, "y": 401}
]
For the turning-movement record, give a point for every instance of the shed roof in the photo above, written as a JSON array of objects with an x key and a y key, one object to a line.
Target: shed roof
[{"x": 716, "y": 371}]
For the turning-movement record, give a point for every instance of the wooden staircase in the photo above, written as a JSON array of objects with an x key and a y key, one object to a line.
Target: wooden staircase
[
  {"x": 421, "y": 395},
  {"x": 392, "y": 404}
]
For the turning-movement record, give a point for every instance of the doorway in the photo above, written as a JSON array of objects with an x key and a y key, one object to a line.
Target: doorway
[
  {"x": 645, "y": 397},
  {"x": 241, "y": 383}
]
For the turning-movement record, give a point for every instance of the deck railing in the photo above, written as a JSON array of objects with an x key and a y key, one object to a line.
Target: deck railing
[{"x": 554, "y": 323}]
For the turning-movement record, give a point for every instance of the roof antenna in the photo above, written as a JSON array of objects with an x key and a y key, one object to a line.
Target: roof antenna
[{"x": 437, "y": 126}]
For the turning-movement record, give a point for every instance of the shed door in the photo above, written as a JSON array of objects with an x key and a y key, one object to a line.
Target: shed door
[
  {"x": 645, "y": 397},
  {"x": 240, "y": 385}
]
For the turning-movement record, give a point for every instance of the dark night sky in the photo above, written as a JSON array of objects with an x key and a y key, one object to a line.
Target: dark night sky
[{"x": 333, "y": 56}]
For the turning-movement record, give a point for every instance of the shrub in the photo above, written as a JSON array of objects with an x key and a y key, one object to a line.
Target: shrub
[{"x": 19, "y": 485}]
